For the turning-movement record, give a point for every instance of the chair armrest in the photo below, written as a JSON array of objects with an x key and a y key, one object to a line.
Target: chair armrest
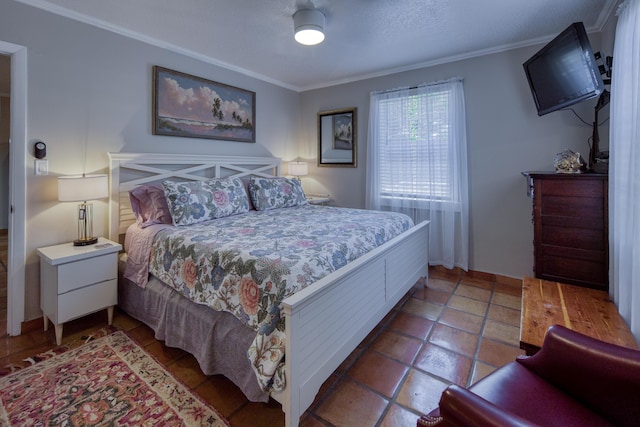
[
  {"x": 460, "y": 407},
  {"x": 603, "y": 376}
]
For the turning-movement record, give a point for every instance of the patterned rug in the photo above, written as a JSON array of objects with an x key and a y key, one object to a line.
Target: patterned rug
[{"x": 105, "y": 382}]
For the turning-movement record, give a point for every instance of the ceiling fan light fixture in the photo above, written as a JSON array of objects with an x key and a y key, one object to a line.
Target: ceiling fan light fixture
[{"x": 309, "y": 26}]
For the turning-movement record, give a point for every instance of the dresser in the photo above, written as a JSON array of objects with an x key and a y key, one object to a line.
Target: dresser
[{"x": 570, "y": 222}]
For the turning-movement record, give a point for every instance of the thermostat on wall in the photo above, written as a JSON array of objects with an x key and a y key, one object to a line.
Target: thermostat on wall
[{"x": 40, "y": 150}]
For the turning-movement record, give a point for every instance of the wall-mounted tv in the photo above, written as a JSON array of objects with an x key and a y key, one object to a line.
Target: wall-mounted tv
[{"x": 564, "y": 72}]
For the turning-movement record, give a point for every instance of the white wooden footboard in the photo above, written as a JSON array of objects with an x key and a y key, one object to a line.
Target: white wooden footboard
[{"x": 326, "y": 321}]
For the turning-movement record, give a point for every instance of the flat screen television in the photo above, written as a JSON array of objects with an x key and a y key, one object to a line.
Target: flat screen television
[{"x": 564, "y": 72}]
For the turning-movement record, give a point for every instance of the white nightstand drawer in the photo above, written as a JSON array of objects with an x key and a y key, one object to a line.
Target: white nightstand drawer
[
  {"x": 75, "y": 275},
  {"x": 87, "y": 300}
]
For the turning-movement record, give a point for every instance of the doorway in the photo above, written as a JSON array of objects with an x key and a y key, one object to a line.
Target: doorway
[
  {"x": 16, "y": 233},
  {"x": 5, "y": 120}
]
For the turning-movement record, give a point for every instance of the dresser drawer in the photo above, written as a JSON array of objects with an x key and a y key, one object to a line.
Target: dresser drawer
[
  {"x": 87, "y": 300},
  {"x": 79, "y": 274}
]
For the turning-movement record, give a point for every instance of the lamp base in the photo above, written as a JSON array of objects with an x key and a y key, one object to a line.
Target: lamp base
[{"x": 85, "y": 242}]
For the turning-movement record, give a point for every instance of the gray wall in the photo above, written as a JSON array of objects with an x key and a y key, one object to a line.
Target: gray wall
[
  {"x": 90, "y": 86},
  {"x": 87, "y": 85},
  {"x": 505, "y": 137}
]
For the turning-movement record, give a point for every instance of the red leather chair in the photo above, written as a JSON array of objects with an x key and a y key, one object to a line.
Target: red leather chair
[{"x": 574, "y": 380}]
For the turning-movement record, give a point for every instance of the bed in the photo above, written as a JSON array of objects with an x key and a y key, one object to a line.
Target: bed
[{"x": 322, "y": 322}]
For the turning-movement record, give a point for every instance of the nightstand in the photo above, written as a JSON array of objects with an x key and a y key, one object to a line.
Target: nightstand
[
  {"x": 77, "y": 280},
  {"x": 318, "y": 200}
]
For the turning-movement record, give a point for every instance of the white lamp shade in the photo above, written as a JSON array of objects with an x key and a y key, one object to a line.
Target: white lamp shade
[
  {"x": 298, "y": 168},
  {"x": 309, "y": 26},
  {"x": 80, "y": 188}
]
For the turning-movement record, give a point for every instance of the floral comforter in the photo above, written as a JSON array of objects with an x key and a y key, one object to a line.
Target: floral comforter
[{"x": 247, "y": 264}]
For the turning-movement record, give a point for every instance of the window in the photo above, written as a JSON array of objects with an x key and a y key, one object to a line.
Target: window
[
  {"x": 417, "y": 163},
  {"x": 416, "y": 134}
]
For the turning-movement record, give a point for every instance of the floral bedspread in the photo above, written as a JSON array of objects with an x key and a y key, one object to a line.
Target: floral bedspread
[{"x": 247, "y": 264}]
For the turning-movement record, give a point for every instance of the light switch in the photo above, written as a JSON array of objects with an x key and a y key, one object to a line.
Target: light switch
[{"x": 42, "y": 167}]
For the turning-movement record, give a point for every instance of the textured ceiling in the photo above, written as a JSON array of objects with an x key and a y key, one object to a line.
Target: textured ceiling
[{"x": 363, "y": 37}]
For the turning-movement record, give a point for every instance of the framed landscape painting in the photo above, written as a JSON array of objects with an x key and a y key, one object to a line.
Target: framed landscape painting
[{"x": 189, "y": 106}]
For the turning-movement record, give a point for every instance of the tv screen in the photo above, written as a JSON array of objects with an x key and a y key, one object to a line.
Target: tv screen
[{"x": 564, "y": 72}]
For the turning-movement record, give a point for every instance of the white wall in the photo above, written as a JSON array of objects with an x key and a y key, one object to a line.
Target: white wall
[
  {"x": 87, "y": 85},
  {"x": 505, "y": 137}
]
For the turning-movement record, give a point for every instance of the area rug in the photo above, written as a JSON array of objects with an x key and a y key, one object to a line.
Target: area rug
[
  {"x": 108, "y": 381},
  {"x": 66, "y": 346}
]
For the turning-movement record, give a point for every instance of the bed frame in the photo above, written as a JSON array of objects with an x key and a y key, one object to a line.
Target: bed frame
[{"x": 325, "y": 321}]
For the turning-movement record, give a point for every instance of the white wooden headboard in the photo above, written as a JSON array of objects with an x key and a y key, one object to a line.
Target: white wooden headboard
[{"x": 128, "y": 170}]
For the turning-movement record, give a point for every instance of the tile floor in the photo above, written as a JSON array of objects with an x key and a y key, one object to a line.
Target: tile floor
[{"x": 457, "y": 330}]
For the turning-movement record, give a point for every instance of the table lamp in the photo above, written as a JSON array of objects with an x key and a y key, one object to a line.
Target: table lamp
[
  {"x": 81, "y": 188},
  {"x": 298, "y": 169}
]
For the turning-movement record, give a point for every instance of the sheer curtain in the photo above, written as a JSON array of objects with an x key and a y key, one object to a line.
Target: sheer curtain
[
  {"x": 417, "y": 163},
  {"x": 624, "y": 167}
]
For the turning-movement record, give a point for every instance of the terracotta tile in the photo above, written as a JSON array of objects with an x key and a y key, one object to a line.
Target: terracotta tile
[
  {"x": 326, "y": 387},
  {"x": 444, "y": 363},
  {"x": 310, "y": 420},
  {"x": 348, "y": 362},
  {"x": 378, "y": 372},
  {"x": 424, "y": 309},
  {"x": 509, "y": 281},
  {"x": 436, "y": 296},
  {"x": 469, "y": 305},
  {"x": 18, "y": 356},
  {"x": 187, "y": 370},
  {"x": 351, "y": 405},
  {"x": 480, "y": 370},
  {"x": 371, "y": 336},
  {"x": 498, "y": 331},
  {"x": 222, "y": 394},
  {"x": 412, "y": 325},
  {"x": 257, "y": 414},
  {"x": 78, "y": 327},
  {"x": 477, "y": 282},
  {"x": 397, "y": 346},
  {"x": 441, "y": 284},
  {"x": 507, "y": 300},
  {"x": 420, "y": 392},
  {"x": 479, "y": 275},
  {"x": 10, "y": 345},
  {"x": 509, "y": 289},
  {"x": 143, "y": 335},
  {"x": 462, "y": 320},
  {"x": 123, "y": 321},
  {"x": 473, "y": 292},
  {"x": 163, "y": 353},
  {"x": 504, "y": 314},
  {"x": 399, "y": 416},
  {"x": 497, "y": 354},
  {"x": 454, "y": 339},
  {"x": 440, "y": 272}
]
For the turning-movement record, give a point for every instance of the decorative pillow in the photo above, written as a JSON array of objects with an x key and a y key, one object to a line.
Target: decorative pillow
[
  {"x": 274, "y": 193},
  {"x": 197, "y": 201},
  {"x": 149, "y": 205}
]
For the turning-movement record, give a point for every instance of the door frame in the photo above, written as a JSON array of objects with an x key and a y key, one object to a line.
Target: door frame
[{"x": 17, "y": 187}]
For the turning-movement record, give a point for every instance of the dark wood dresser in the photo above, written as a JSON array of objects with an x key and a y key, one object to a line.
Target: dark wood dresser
[{"x": 570, "y": 221}]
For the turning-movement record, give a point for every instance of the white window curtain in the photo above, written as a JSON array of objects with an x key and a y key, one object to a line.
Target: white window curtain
[
  {"x": 624, "y": 167},
  {"x": 417, "y": 163}
]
